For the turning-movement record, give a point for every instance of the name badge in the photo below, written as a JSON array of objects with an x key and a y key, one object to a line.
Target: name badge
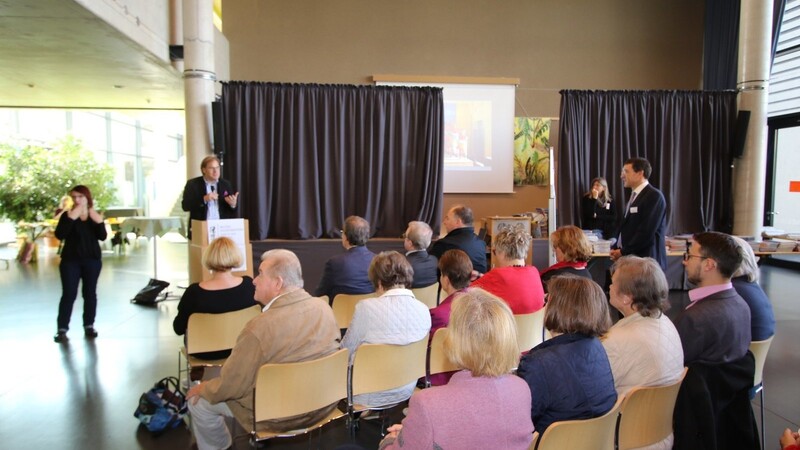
[{"x": 634, "y": 209}]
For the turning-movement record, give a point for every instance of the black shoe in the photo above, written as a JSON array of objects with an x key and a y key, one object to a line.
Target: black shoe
[
  {"x": 61, "y": 337},
  {"x": 90, "y": 332}
]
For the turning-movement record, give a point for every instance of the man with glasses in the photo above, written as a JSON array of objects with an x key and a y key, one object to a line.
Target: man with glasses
[
  {"x": 644, "y": 223},
  {"x": 209, "y": 197},
  {"x": 715, "y": 327}
]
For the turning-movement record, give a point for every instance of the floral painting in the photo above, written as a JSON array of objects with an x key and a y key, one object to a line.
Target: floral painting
[{"x": 531, "y": 151}]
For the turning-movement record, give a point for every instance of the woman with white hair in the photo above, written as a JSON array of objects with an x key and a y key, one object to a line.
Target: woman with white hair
[{"x": 745, "y": 282}]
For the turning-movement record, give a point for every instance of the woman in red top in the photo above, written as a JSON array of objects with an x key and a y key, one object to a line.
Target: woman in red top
[{"x": 510, "y": 279}]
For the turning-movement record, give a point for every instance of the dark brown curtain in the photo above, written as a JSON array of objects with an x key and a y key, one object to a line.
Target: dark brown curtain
[
  {"x": 686, "y": 135},
  {"x": 307, "y": 156}
]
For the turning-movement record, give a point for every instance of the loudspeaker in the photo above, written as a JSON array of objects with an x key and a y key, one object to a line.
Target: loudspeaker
[
  {"x": 218, "y": 124},
  {"x": 740, "y": 133}
]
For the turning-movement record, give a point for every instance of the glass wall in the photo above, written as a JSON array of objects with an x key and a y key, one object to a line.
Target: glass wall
[{"x": 144, "y": 147}]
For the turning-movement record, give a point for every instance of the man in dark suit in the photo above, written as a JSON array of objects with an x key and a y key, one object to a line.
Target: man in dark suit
[
  {"x": 348, "y": 273},
  {"x": 715, "y": 327},
  {"x": 461, "y": 236},
  {"x": 644, "y": 224},
  {"x": 418, "y": 238},
  {"x": 208, "y": 197}
]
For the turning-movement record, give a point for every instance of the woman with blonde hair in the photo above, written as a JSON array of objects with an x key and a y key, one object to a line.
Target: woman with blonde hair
[
  {"x": 573, "y": 251},
  {"x": 569, "y": 375},
  {"x": 597, "y": 209},
  {"x": 482, "y": 340},
  {"x": 223, "y": 292},
  {"x": 510, "y": 279}
]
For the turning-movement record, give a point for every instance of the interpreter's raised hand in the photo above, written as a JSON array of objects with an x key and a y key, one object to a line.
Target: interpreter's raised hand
[
  {"x": 595, "y": 194},
  {"x": 95, "y": 216}
]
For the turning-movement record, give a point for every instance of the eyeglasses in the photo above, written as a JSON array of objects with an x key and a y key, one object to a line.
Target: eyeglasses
[{"x": 687, "y": 255}]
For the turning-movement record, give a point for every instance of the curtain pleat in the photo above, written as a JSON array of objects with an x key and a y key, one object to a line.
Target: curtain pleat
[
  {"x": 307, "y": 156},
  {"x": 686, "y": 135}
]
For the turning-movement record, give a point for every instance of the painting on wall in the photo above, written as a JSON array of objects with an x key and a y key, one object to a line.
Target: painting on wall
[{"x": 531, "y": 151}]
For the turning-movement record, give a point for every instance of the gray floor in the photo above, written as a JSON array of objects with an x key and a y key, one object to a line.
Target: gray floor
[{"x": 82, "y": 394}]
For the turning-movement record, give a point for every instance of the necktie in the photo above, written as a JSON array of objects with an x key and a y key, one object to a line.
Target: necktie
[{"x": 630, "y": 202}]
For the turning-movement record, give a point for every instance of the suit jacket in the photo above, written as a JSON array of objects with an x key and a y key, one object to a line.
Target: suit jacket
[
  {"x": 715, "y": 329},
  {"x": 642, "y": 230},
  {"x": 297, "y": 327},
  {"x": 425, "y": 267},
  {"x": 347, "y": 274},
  {"x": 193, "y": 202},
  {"x": 466, "y": 240}
]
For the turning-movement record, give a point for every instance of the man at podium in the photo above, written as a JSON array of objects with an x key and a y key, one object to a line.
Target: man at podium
[{"x": 209, "y": 197}]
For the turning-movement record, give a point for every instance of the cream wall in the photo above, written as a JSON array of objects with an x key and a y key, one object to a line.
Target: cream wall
[{"x": 548, "y": 44}]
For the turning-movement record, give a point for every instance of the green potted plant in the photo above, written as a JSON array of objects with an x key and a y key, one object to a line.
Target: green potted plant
[{"x": 33, "y": 180}]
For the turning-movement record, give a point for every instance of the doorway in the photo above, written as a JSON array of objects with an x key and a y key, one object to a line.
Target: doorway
[{"x": 783, "y": 174}]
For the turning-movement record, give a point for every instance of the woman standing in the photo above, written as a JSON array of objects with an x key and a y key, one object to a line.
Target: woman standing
[
  {"x": 597, "y": 209},
  {"x": 80, "y": 229}
]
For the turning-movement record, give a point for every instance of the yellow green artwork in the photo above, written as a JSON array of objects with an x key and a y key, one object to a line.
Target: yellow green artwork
[{"x": 531, "y": 151}]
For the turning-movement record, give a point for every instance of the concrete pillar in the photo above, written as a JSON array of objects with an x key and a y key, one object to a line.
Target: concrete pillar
[
  {"x": 199, "y": 77},
  {"x": 749, "y": 176}
]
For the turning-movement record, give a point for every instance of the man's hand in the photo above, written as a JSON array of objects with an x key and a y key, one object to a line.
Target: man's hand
[
  {"x": 194, "y": 393},
  {"x": 232, "y": 199},
  {"x": 615, "y": 254}
]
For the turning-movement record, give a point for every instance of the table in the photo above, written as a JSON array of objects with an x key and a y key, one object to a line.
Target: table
[
  {"x": 153, "y": 227},
  {"x": 676, "y": 275}
]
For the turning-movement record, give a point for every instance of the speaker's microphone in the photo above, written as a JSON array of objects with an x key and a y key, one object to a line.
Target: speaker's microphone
[{"x": 212, "y": 189}]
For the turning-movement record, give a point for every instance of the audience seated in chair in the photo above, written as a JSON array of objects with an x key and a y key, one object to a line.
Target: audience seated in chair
[
  {"x": 510, "y": 279},
  {"x": 745, "y": 282},
  {"x": 483, "y": 406},
  {"x": 394, "y": 317},
  {"x": 455, "y": 269},
  {"x": 569, "y": 375},
  {"x": 461, "y": 236},
  {"x": 293, "y": 327},
  {"x": 417, "y": 239},
  {"x": 573, "y": 251},
  {"x": 223, "y": 292},
  {"x": 347, "y": 273}
]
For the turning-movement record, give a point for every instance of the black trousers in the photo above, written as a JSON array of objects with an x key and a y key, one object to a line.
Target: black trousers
[{"x": 72, "y": 273}]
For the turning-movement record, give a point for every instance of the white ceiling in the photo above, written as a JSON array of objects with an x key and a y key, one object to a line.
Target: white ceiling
[{"x": 54, "y": 53}]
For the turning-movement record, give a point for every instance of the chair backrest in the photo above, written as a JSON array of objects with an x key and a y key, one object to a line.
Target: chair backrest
[
  {"x": 344, "y": 306},
  {"x": 530, "y": 330},
  {"x": 212, "y": 332},
  {"x": 646, "y": 414},
  {"x": 288, "y": 389},
  {"x": 760, "y": 350},
  {"x": 597, "y": 433},
  {"x": 438, "y": 361},
  {"x": 428, "y": 295},
  {"x": 379, "y": 367}
]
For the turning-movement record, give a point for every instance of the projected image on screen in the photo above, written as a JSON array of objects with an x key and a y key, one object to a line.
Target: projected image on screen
[{"x": 467, "y": 135}]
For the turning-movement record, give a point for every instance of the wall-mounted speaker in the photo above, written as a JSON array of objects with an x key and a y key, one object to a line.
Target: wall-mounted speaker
[{"x": 740, "y": 133}]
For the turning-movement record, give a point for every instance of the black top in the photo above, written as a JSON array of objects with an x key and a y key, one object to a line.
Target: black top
[
  {"x": 198, "y": 300},
  {"x": 548, "y": 274},
  {"x": 80, "y": 238},
  {"x": 596, "y": 216}
]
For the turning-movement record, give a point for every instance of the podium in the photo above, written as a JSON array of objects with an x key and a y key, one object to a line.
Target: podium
[{"x": 236, "y": 229}]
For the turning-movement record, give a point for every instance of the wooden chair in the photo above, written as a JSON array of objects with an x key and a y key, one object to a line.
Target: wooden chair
[
  {"x": 211, "y": 333},
  {"x": 760, "y": 350},
  {"x": 289, "y": 389},
  {"x": 380, "y": 367},
  {"x": 438, "y": 361},
  {"x": 344, "y": 306},
  {"x": 646, "y": 415},
  {"x": 596, "y": 434},
  {"x": 530, "y": 330},
  {"x": 428, "y": 295}
]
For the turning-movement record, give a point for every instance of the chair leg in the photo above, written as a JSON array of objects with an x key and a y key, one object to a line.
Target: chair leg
[{"x": 763, "y": 431}]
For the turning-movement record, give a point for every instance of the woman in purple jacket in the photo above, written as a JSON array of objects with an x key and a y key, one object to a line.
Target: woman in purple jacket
[{"x": 483, "y": 406}]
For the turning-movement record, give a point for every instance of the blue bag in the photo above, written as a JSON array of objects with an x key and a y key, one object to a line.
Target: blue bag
[{"x": 163, "y": 407}]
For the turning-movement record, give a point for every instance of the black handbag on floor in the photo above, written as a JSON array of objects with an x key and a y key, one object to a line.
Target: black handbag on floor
[
  {"x": 162, "y": 407},
  {"x": 148, "y": 295}
]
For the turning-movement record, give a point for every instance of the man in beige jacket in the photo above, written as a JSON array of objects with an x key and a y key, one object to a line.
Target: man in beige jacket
[{"x": 293, "y": 327}]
